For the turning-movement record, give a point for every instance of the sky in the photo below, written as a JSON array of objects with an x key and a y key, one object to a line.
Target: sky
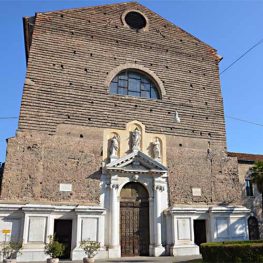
[{"x": 231, "y": 27}]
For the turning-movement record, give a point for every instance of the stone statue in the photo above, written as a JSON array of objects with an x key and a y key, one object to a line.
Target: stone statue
[
  {"x": 177, "y": 118},
  {"x": 136, "y": 139},
  {"x": 114, "y": 146},
  {"x": 156, "y": 149}
]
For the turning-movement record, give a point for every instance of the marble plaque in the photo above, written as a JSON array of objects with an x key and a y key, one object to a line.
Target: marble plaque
[
  {"x": 65, "y": 187},
  {"x": 222, "y": 227},
  {"x": 12, "y": 224},
  {"x": 184, "y": 228},
  {"x": 37, "y": 229},
  {"x": 89, "y": 229},
  {"x": 238, "y": 228},
  {"x": 196, "y": 192}
]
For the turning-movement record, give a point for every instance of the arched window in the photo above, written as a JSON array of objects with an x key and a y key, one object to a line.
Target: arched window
[{"x": 134, "y": 83}]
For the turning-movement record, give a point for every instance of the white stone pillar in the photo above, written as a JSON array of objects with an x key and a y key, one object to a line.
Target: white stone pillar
[
  {"x": 114, "y": 250},
  {"x": 114, "y": 221},
  {"x": 25, "y": 230},
  {"x": 159, "y": 249},
  {"x": 158, "y": 240},
  {"x": 151, "y": 226}
]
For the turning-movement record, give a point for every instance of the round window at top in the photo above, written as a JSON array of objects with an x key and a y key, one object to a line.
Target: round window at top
[{"x": 135, "y": 20}]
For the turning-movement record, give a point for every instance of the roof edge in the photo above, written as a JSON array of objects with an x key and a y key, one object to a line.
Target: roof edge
[
  {"x": 246, "y": 156},
  {"x": 86, "y": 7}
]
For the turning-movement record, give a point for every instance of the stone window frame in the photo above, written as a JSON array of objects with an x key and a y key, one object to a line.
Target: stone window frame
[
  {"x": 146, "y": 28},
  {"x": 249, "y": 187},
  {"x": 130, "y": 66},
  {"x": 134, "y": 83}
]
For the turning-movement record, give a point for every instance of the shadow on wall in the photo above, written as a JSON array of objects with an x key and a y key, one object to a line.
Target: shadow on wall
[
  {"x": 2, "y": 166},
  {"x": 96, "y": 175},
  {"x": 226, "y": 203}
]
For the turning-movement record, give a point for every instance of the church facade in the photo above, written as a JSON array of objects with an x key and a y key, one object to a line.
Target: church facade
[{"x": 121, "y": 139}]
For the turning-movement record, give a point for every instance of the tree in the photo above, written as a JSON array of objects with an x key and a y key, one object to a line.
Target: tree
[{"x": 257, "y": 178}]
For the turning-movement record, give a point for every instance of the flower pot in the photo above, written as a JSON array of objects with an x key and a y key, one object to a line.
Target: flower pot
[
  {"x": 52, "y": 260},
  {"x": 9, "y": 260},
  {"x": 88, "y": 260}
]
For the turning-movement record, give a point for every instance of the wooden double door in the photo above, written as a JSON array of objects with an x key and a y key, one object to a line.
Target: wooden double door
[{"x": 134, "y": 220}]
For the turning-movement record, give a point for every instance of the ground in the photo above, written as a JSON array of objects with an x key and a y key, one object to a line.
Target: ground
[{"x": 182, "y": 259}]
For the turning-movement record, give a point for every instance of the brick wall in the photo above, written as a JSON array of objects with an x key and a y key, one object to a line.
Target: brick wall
[
  {"x": 37, "y": 163},
  {"x": 73, "y": 51},
  {"x": 66, "y": 106},
  {"x": 190, "y": 166}
]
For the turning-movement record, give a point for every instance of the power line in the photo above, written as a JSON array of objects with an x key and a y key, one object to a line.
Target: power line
[
  {"x": 240, "y": 57},
  {"x": 8, "y": 118},
  {"x": 227, "y": 116},
  {"x": 242, "y": 120},
  {"x": 227, "y": 68}
]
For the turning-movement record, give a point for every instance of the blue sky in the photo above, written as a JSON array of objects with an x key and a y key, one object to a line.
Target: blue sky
[{"x": 231, "y": 27}]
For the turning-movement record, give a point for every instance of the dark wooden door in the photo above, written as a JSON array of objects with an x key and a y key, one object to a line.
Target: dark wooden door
[
  {"x": 134, "y": 222},
  {"x": 63, "y": 232}
]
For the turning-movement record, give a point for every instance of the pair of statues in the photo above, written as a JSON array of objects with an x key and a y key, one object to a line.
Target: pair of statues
[{"x": 135, "y": 145}]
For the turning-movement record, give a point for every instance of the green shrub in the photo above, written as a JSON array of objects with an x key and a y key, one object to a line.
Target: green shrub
[
  {"x": 90, "y": 247},
  {"x": 233, "y": 251},
  {"x": 10, "y": 249},
  {"x": 53, "y": 248}
]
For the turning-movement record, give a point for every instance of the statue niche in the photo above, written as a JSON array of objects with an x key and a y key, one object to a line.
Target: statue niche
[
  {"x": 136, "y": 140},
  {"x": 114, "y": 145},
  {"x": 156, "y": 150}
]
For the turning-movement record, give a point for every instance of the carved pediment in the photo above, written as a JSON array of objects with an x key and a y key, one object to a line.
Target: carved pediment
[{"x": 136, "y": 162}]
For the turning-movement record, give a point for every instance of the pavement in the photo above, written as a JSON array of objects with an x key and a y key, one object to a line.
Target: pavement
[{"x": 177, "y": 259}]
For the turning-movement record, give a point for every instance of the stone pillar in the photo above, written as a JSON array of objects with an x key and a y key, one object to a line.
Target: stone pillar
[
  {"x": 158, "y": 248},
  {"x": 151, "y": 226},
  {"x": 114, "y": 250},
  {"x": 114, "y": 221}
]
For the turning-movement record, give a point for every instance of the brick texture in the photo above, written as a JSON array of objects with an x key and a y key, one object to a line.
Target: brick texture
[
  {"x": 37, "y": 163},
  {"x": 66, "y": 106},
  {"x": 190, "y": 166},
  {"x": 72, "y": 52}
]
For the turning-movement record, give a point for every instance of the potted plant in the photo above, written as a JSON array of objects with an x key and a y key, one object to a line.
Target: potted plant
[
  {"x": 54, "y": 249},
  {"x": 91, "y": 249},
  {"x": 10, "y": 250}
]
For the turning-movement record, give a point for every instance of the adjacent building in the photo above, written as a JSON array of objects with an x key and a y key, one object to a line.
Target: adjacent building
[
  {"x": 121, "y": 139},
  {"x": 252, "y": 199}
]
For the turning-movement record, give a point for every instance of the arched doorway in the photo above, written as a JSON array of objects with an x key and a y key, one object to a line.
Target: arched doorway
[{"x": 134, "y": 220}]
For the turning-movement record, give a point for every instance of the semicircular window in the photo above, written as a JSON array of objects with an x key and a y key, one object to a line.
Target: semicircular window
[{"x": 134, "y": 83}]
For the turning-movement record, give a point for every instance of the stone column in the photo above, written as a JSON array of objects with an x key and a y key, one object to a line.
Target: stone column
[
  {"x": 114, "y": 250},
  {"x": 151, "y": 226},
  {"x": 159, "y": 249},
  {"x": 114, "y": 221}
]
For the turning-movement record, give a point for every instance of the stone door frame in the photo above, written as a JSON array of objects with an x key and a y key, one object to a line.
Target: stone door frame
[
  {"x": 158, "y": 202},
  {"x": 134, "y": 236}
]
